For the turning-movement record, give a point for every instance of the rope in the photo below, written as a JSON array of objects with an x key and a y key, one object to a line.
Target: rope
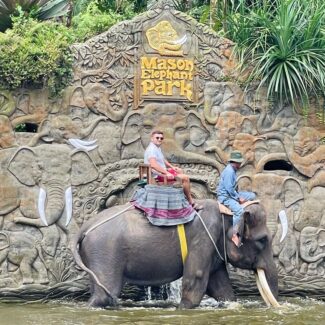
[
  {"x": 209, "y": 234},
  {"x": 108, "y": 219}
]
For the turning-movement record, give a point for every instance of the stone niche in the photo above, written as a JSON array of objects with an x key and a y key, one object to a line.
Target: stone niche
[{"x": 161, "y": 69}]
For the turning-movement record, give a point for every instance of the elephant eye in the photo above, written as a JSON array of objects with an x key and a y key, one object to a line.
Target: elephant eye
[{"x": 261, "y": 242}]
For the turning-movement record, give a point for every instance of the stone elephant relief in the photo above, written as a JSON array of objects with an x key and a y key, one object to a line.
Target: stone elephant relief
[
  {"x": 101, "y": 100},
  {"x": 63, "y": 129},
  {"x": 50, "y": 170},
  {"x": 313, "y": 211},
  {"x": 21, "y": 250},
  {"x": 304, "y": 149},
  {"x": 131, "y": 257},
  {"x": 244, "y": 142},
  {"x": 184, "y": 133},
  {"x": 221, "y": 97},
  {"x": 312, "y": 252},
  {"x": 279, "y": 193}
]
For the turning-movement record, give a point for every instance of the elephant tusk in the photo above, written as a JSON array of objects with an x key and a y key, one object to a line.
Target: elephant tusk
[
  {"x": 41, "y": 205},
  {"x": 84, "y": 145},
  {"x": 68, "y": 205},
  {"x": 284, "y": 223},
  {"x": 260, "y": 289},
  {"x": 266, "y": 288},
  {"x": 180, "y": 41}
]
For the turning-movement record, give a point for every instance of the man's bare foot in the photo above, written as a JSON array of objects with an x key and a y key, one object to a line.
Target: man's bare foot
[{"x": 236, "y": 240}]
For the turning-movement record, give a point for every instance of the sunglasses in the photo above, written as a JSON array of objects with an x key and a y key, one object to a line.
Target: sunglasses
[{"x": 159, "y": 138}]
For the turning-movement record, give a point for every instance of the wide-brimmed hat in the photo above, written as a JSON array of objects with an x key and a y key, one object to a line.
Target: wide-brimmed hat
[{"x": 236, "y": 156}]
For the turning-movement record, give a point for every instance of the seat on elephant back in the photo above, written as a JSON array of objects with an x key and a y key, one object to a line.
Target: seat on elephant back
[
  {"x": 163, "y": 205},
  {"x": 225, "y": 210},
  {"x": 145, "y": 177}
]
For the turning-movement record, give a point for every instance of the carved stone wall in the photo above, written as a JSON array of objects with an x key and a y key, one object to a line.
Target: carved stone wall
[{"x": 160, "y": 70}]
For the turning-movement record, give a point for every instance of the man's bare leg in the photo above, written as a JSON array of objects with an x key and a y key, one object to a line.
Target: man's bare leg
[{"x": 186, "y": 186}]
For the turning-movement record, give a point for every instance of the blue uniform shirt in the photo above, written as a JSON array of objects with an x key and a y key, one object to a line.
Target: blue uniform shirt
[{"x": 227, "y": 184}]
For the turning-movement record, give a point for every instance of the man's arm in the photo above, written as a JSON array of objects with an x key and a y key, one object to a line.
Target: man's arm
[
  {"x": 153, "y": 163},
  {"x": 230, "y": 185}
]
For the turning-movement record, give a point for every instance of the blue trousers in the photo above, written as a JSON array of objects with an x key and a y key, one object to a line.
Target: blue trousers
[{"x": 234, "y": 205}]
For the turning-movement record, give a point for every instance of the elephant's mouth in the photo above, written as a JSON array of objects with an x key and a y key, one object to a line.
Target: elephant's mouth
[{"x": 264, "y": 289}]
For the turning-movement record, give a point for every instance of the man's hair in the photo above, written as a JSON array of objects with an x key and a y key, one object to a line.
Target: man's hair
[{"x": 157, "y": 132}]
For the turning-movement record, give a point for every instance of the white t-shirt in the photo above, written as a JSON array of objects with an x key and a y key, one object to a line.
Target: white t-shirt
[{"x": 153, "y": 151}]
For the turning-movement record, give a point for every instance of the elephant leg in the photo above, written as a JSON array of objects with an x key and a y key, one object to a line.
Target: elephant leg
[
  {"x": 195, "y": 280},
  {"x": 219, "y": 286},
  {"x": 42, "y": 271},
  {"x": 26, "y": 269},
  {"x": 113, "y": 282},
  {"x": 29, "y": 221}
]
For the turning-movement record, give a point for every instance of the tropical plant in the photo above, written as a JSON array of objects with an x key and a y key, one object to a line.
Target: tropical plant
[
  {"x": 41, "y": 9},
  {"x": 283, "y": 42},
  {"x": 93, "y": 21},
  {"x": 35, "y": 53}
]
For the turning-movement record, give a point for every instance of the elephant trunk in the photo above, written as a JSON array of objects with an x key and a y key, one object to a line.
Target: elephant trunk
[
  {"x": 181, "y": 156},
  {"x": 53, "y": 210},
  {"x": 310, "y": 258}
]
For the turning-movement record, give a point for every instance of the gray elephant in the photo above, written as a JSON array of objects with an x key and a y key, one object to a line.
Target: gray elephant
[
  {"x": 24, "y": 251},
  {"x": 51, "y": 170},
  {"x": 121, "y": 246}
]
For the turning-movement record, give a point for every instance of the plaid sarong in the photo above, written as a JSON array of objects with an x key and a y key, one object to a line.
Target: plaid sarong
[{"x": 163, "y": 205}]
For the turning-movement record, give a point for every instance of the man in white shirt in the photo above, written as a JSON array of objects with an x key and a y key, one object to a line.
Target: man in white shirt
[{"x": 154, "y": 157}]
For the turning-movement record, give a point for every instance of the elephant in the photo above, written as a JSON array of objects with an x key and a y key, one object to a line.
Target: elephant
[
  {"x": 63, "y": 129},
  {"x": 184, "y": 132},
  {"x": 99, "y": 100},
  {"x": 244, "y": 142},
  {"x": 24, "y": 251},
  {"x": 120, "y": 246},
  {"x": 165, "y": 40},
  {"x": 226, "y": 97},
  {"x": 51, "y": 170},
  {"x": 303, "y": 149},
  {"x": 310, "y": 251}
]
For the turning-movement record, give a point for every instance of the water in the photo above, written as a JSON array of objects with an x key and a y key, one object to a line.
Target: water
[{"x": 295, "y": 311}]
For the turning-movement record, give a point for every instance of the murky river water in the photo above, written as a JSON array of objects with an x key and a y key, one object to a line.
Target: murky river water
[{"x": 295, "y": 311}]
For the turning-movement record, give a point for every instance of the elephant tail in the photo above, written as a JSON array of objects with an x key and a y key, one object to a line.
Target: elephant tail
[{"x": 81, "y": 264}]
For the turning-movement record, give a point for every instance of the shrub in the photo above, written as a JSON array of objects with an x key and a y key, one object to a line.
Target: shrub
[{"x": 35, "y": 54}]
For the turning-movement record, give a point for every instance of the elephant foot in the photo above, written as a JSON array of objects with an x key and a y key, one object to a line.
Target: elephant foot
[
  {"x": 44, "y": 281},
  {"x": 97, "y": 302},
  {"x": 28, "y": 281},
  {"x": 186, "y": 304}
]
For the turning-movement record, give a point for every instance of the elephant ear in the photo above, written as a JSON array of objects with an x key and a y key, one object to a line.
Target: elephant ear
[
  {"x": 292, "y": 192},
  {"x": 45, "y": 130},
  {"x": 4, "y": 240},
  {"x": 198, "y": 132},
  {"x": 83, "y": 169},
  {"x": 132, "y": 125},
  {"x": 23, "y": 165}
]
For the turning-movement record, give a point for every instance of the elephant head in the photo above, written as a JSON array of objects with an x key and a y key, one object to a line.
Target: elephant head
[
  {"x": 228, "y": 125},
  {"x": 184, "y": 132},
  {"x": 310, "y": 244},
  {"x": 256, "y": 253},
  {"x": 165, "y": 40},
  {"x": 100, "y": 100},
  {"x": 54, "y": 169},
  {"x": 63, "y": 129}
]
